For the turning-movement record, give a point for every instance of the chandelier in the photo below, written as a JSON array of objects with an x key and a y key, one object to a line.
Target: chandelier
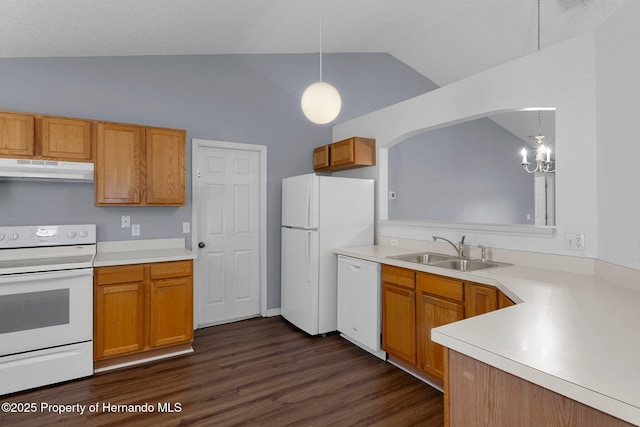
[{"x": 543, "y": 153}]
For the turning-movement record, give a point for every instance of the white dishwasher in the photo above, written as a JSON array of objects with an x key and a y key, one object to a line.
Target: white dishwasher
[{"x": 359, "y": 311}]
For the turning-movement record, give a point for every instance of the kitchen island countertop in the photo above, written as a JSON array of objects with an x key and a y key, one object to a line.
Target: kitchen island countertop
[{"x": 574, "y": 334}]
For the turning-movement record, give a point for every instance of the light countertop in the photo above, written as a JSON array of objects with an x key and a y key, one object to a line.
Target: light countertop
[
  {"x": 575, "y": 334},
  {"x": 141, "y": 251}
]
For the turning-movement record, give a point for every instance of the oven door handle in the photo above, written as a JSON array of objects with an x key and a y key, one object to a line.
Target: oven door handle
[{"x": 29, "y": 277}]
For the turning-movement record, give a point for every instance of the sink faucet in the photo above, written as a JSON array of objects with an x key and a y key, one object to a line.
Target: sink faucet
[
  {"x": 483, "y": 253},
  {"x": 459, "y": 249}
]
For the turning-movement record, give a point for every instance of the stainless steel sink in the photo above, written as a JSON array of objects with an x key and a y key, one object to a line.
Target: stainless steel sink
[
  {"x": 467, "y": 264},
  {"x": 422, "y": 257},
  {"x": 448, "y": 262}
]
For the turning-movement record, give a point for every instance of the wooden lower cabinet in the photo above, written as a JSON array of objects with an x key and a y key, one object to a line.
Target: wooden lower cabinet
[
  {"x": 477, "y": 394},
  {"x": 399, "y": 313},
  {"x": 415, "y": 302},
  {"x": 434, "y": 312},
  {"x": 142, "y": 307},
  {"x": 440, "y": 301},
  {"x": 480, "y": 299}
]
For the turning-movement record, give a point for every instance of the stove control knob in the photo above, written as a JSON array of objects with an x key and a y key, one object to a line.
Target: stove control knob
[
  {"x": 1, "y": 237},
  {"x": 13, "y": 236},
  {"x": 71, "y": 234},
  {"x": 84, "y": 233}
]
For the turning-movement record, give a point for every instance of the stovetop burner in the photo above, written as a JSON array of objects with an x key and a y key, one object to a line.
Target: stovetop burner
[{"x": 26, "y": 249}]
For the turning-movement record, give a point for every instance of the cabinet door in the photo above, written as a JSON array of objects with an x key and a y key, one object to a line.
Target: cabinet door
[
  {"x": 171, "y": 311},
  {"x": 321, "y": 157},
  {"x": 119, "y": 319},
  {"x": 480, "y": 299},
  {"x": 399, "y": 322},
  {"x": 343, "y": 152},
  {"x": 353, "y": 152},
  {"x": 16, "y": 135},
  {"x": 165, "y": 168},
  {"x": 434, "y": 312},
  {"x": 117, "y": 172},
  {"x": 65, "y": 139},
  {"x": 504, "y": 301}
]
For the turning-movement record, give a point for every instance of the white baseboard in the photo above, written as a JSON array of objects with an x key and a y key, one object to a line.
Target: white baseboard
[{"x": 273, "y": 312}]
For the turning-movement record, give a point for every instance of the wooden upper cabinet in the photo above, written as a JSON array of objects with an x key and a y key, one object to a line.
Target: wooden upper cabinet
[
  {"x": 321, "y": 158},
  {"x": 16, "y": 135},
  {"x": 65, "y": 139},
  {"x": 346, "y": 154},
  {"x": 140, "y": 166},
  {"x": 353, "y": 152},
  {"x": 165, "y": 168},
  {"x": 117, "y": 171}
]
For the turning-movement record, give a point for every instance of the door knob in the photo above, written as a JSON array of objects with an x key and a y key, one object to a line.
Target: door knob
[{"x": 201, "y": 245}]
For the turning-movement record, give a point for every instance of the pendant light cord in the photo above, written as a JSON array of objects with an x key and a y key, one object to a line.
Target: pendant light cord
[
  {"x": 320, "y": 12},
  {"x": 538, "y": 25}
]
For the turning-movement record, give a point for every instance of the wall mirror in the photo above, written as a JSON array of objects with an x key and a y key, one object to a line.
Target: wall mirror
[{"x": 471, "y": 172}]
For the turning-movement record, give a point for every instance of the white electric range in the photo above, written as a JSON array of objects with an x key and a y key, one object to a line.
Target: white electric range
[{"x": 46, "y": 304}]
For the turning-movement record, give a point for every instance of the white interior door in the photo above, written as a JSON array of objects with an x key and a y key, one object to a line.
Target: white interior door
[{"x": 228, "y": 185}]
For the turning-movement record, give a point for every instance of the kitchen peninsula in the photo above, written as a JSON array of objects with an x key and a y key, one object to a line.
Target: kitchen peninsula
[{"x": 568, "y": 334}]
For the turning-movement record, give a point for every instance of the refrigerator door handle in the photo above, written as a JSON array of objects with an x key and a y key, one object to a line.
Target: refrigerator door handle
[
  {"x": 309, "y": 191},
  {"x": 308, "y": 255}
]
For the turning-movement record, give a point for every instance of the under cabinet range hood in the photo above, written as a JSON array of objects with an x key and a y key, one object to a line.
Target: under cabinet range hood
[{"x": 46, "y": 170}]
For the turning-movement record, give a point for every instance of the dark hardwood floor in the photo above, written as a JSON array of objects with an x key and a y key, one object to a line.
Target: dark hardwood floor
[{"x": 258, "y": 372}]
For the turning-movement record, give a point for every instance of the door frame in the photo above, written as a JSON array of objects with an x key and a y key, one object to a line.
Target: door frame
[{"x": 196, "y": 144}]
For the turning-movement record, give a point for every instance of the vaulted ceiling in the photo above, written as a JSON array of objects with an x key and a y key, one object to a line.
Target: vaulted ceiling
[{"x": 445, "y": 40}]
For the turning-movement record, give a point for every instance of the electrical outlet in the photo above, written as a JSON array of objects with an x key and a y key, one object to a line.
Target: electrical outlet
[
  {"x": 394, "y": 242},
  {"x": 186, "y": 227},
  {"x": 125, "y": 221},
  {"x": 135, "y": 230},
  {"x": 574, "y": 241}
]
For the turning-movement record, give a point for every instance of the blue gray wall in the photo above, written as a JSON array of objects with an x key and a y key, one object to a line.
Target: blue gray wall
[
  {"x": 253, "y": 99},
  {"x": 469, "y": 172}
]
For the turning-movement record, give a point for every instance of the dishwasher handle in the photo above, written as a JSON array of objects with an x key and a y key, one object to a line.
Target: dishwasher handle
[{"x": 357, "y": 264}]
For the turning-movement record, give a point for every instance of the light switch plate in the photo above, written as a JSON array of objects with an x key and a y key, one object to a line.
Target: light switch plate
[
  {"x": 125, "y": 221},
  {"x": 135, "y": 230},
  {"x": 186, "y": 227}
]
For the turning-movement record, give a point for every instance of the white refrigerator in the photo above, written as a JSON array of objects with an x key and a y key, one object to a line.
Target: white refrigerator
[{"x": 320, "y": 214}]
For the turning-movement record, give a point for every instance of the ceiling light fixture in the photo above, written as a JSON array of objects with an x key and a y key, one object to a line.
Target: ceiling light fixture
[
  {"x": 543, "y": 153},
  {"x": 321, "y": 101}
]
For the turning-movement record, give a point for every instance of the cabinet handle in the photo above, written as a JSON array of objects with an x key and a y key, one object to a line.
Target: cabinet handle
[{"x": 201, "y": 245}]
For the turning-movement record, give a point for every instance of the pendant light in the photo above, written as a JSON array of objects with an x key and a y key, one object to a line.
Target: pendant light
[
  {"x": 543, "y": 153},
  {"x": 321, "y": 101}
]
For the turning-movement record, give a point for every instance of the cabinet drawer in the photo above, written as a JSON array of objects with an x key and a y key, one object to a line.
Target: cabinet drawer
[
  {"x": 440, "y": 286},
  {"x": 399, "y": 276},
  {"x": 119, "y": 274},
  {"x": 163, "y": 270}
]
